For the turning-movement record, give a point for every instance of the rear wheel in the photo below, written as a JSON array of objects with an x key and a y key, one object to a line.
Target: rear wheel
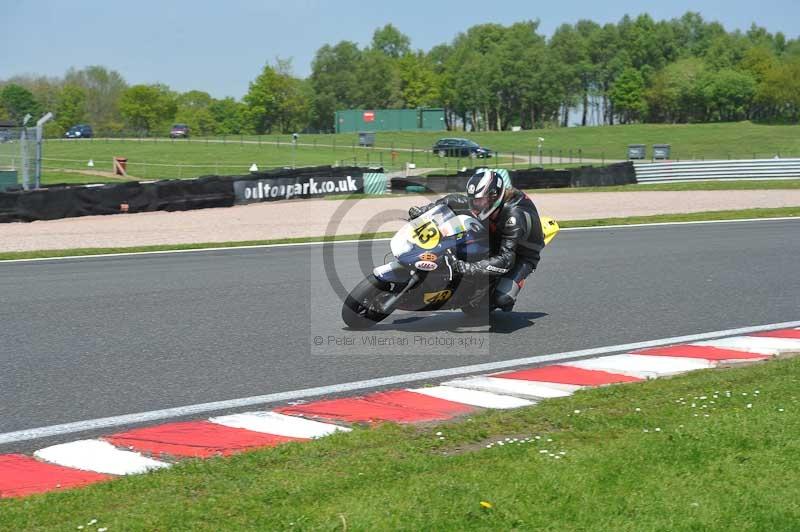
[
  {"x": 442, "y": 154},
  {"x": 360, "y": 307}
]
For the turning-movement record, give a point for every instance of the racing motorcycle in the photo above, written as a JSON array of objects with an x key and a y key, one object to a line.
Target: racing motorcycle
[{"x": 420, "y": 278}]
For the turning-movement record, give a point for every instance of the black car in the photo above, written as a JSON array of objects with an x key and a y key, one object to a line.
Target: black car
[
  {"x": 179, "y": 131},
  {"x": 460, "y": 148},
  {"x": 81, "y": 131}
]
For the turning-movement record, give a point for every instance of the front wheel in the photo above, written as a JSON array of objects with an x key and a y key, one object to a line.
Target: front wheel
[{"x": 360, "y": 307}]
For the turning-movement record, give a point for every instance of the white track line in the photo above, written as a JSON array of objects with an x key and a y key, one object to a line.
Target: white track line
[
  {"x": 518, "y": 388},
  {"x": 98, "y": 456},
  {"x": 643, "y": 366},
  {"x": 278, "y": 424},
  {"x": 756, "y": 344},
  {"x": 203, "y": 408},
  {"x": 316, "y": 243},
  {"x": 473, "y": 397}
]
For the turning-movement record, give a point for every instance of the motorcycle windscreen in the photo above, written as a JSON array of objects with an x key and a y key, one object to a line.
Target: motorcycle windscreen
[{"x": 424, "y": 232}]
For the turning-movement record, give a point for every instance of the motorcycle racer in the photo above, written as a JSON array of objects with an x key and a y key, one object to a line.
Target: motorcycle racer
[{"x": 515, "y": 230}]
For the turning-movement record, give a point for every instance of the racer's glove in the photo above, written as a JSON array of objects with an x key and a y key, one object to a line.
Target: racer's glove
[
  {"x": 456, "y": 266},
  {"x": 415, "y": 212}
]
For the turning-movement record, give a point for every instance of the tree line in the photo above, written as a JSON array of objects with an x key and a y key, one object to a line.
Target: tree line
[{"x": 490, "y": 77}]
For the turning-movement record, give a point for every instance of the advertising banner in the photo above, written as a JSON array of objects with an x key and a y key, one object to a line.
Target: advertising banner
[{"x": 302, "y": 186}]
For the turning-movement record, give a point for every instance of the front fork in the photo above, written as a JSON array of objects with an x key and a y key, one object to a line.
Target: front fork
[
  {"x": 388, "y": 305},
  {"x": 392, "y": 272},
  {"x": 395, "y": 273}
]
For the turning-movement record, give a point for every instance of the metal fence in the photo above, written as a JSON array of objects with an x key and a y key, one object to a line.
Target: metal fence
[
  {"x": 721, "y": 169},
  {"x": 17, "y": 157}
]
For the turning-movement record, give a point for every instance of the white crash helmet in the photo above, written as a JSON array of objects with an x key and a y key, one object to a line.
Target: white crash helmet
[{"x": 485, "y": 191}]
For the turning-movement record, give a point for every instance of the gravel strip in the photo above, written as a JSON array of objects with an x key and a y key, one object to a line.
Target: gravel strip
[{"x": 311, "y": 218}]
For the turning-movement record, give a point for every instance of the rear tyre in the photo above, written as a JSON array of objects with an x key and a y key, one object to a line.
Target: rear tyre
[
  {"x": 359, "y": 309},
  {"x": 442, "y": 154}
]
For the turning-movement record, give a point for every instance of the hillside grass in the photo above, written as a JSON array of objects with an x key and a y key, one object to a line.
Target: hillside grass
[
  {"x": 711, "y": 450},
  {"x": 165, "y": 159},
  {"x": 689, "y": 141}
]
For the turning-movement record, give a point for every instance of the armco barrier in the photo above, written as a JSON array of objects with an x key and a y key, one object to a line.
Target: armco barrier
[
  {"x": 586, "y": 176},
  {"x": 721, "y": 169},
  {"x": 56, "y": 202}
]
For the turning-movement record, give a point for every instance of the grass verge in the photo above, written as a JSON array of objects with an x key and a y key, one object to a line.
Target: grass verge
[
  {"x": 712, "y": 450},
  {"x": 634, "y": 220},
  {"x": 742, "y": 184}
]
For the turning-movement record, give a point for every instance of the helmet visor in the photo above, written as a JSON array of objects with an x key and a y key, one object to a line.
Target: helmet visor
[
  {"x": 482, "y": 206},
  {"x": 478, "y": 205}
]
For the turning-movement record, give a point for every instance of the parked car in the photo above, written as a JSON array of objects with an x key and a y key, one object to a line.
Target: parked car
[
  {"x": 179, "y": 131},
  {"x": 81, "y": 131},
  {"x": 460, "y": 148}
]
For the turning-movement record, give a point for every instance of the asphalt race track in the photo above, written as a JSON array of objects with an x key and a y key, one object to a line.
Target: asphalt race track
[{"x": 88, "y": 338}]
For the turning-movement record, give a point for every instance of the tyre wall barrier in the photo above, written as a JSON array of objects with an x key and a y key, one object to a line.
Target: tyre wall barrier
[
  {"x": 585, "y": 176},
  {"x": 63, "y": 201}
]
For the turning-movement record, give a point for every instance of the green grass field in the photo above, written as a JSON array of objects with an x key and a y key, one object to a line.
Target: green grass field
[
  {"x": 689, "y": 141},
  {"x": 712, "y": 450},
  {"x": 695, "y": 141},
  {"x": 163, "y": 158}
]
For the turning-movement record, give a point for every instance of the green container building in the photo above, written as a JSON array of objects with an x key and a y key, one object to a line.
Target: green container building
[
  {"x": 422, "y": 119},
  {"x": 8, "y": 178}
]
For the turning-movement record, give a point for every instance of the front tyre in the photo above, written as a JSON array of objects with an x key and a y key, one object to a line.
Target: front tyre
[{"x": 360, "y": 307}]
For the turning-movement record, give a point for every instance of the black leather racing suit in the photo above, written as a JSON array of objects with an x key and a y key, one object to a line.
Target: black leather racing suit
[{"x": 516, "y": 239}]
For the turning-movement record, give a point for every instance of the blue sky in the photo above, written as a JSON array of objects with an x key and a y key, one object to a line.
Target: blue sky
[{"x": 220, "y": 46}]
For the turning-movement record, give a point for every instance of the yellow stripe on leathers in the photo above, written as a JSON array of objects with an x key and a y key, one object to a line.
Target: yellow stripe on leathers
[{"x": 549, "y": 228}]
